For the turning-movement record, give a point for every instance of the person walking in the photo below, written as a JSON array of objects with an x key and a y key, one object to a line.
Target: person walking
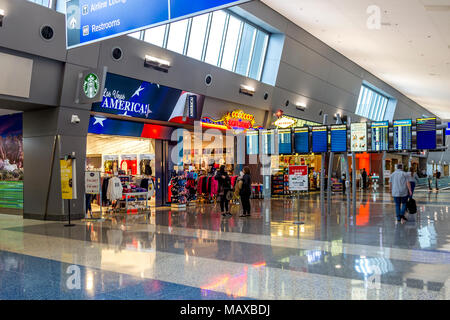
[
  {"x": 364, "y": 178},
  {"x": 224, "y": 181},
  {"x": 413, "y": 180},
  {"x": 246, "y": 192},
  {"x": 400, "y": 190},
  {"x": 438, "y": 176}
]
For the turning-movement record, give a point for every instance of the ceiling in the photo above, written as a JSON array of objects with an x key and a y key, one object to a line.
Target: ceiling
[{"x": 411, "y": 50}]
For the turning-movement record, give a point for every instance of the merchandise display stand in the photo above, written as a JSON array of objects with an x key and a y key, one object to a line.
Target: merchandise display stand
[{"x": 137, "y": 195}]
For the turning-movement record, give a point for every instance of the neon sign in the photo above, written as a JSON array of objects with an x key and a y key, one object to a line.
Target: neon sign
[{"x": 236, "y": 120}]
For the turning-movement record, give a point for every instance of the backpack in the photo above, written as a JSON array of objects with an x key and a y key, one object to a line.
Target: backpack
[{"x": 411, "y": 206}]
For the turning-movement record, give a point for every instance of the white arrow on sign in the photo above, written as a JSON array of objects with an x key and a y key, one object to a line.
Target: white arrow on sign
[{"x": 73, "y": 23}]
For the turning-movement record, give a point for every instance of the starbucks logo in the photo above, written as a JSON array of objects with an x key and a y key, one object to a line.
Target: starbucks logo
[{"x": 91, "y": 85}]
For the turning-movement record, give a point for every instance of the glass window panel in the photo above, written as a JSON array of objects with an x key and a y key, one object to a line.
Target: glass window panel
[
  {"x": 215, "y": 37},
  {"x": 245, "y": 50},
  {"x": 371, "y": 104},
  {"x": 155, "y": 35},
  {"x": 45, "y": 3},
  {"x": 259, "y": 54},
  {"x": 61, "y": 6},
  {"x": 177, "y": 36},
  {"x": 136, "y": 35},
  {"x": 197, "y": 36},
  {"x": 231, "y": 43}
]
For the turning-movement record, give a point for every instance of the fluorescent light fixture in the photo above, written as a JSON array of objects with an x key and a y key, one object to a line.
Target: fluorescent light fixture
[
  {"x": 301, "y": 106},
  {"x": 157, "y": 63},
  {"x": 2, "y": 15},
  {"x": 247, "y": 90}
]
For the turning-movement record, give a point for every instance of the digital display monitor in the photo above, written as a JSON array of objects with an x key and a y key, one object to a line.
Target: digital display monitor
[
  {"x": 402, "y": 134},
  {"x": 358, "y": 136},
  {"x": 426, "y": 133},
  {"x": 252, "y": 142},
  {"x": 380, "y": 136},
  {"x": 339, "y": 138},
  {"x": 268, "y": 141},
  {"x": 301, "y": 140},
  {"x": 319, "y": 139},
  {"x": 285, "y": 141}
]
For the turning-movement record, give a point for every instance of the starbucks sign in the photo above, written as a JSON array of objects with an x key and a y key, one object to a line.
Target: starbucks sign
[{"x": 91, "y": 85}]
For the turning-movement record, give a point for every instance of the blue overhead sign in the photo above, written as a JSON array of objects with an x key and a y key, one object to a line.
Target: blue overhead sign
[{"x": 89, "y": 21}]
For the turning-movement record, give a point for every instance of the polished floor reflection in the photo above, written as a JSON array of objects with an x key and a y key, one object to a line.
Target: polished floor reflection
[{"x": 335, "y": 253}]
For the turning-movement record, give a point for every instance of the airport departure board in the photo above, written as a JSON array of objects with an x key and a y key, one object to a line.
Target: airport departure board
[
  {"x": 268, "y": 142},
  {"x": 358, "y": 137},
  {"x": 319, "y": 139},
  {"x": 252, "y": 138},
  {"x": 426, "y": 133},
  {"x": 402, "y": 134},
  {"x": 339, "y": 138},
  {"x": 285, "y": 141},
  {"x": 301, "y": 140},
  {"x": 380, "y": 136}
]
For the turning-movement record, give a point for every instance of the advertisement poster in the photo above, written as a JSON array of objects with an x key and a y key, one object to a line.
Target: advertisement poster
[
  {"x": 298, "y": 178},
  {"x": 92, "y": 182},
  {"x": 11, "y": 161},
  {"x": 68, "y": 183},
  {"x": 358, "y": 133}
]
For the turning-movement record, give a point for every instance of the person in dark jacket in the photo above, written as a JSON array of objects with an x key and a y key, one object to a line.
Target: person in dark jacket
[
  {"x": 246, "y": 192},
  {"x": 224, "y": 181}
]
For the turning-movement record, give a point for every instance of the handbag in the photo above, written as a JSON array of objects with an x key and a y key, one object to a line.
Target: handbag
[
  {"x": 229, "y": 195},
  {"x": 411, "y": 206}
]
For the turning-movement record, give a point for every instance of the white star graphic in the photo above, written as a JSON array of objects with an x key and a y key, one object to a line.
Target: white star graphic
[
  {"x": 138, "y": 91},
  {"x": 126, "y": 114},
  {"x": 99, "y": 120}
]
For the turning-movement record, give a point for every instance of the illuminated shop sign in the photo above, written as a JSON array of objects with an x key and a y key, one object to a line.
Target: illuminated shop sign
[
  {"x": 285, "y": 122},
  {"x": 236, "y": 120},
  {"x": 140, "y": 99}
]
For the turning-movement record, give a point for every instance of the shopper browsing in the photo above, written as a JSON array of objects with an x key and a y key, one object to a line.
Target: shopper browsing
[
  {"x": 246, "y": 192},
  {"x": 401, "y": 190},
  {"x": 224, "y": 181}
]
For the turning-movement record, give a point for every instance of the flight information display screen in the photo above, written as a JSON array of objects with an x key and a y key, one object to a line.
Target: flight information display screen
[
  {"x": 380, "y": 136},
  {"x": 319, "y": 139},
  {"x": 268, "y": 141},
  {"x": 301, "y": 140},
  {"x": 252, "y": 142},
  {"x": 358, "y": 133},
  {"x": 285, "y": 141},
  {"x": 402, "y": 134},
  {"x": 426, "y": 133},
  {"x": 339, "y": 138}
]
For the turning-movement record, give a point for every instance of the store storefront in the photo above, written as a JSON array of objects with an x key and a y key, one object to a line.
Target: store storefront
[
  {"x": 143, "y": 135},
  {"x": 130, "y": 140},
  {"x": 293, "y": 155}
]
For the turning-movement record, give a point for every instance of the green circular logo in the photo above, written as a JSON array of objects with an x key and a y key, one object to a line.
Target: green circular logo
[{"x": 91, "y": 85}]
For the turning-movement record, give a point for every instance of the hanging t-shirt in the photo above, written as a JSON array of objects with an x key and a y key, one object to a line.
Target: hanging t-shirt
[{"x": 115, "y": 189}]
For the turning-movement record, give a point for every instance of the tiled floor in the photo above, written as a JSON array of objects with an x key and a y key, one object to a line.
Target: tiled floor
[{"x": 197, "y": 254}]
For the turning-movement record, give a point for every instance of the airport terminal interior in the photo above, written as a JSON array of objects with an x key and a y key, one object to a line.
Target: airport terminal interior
[{"x": 224, "y": 150}]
